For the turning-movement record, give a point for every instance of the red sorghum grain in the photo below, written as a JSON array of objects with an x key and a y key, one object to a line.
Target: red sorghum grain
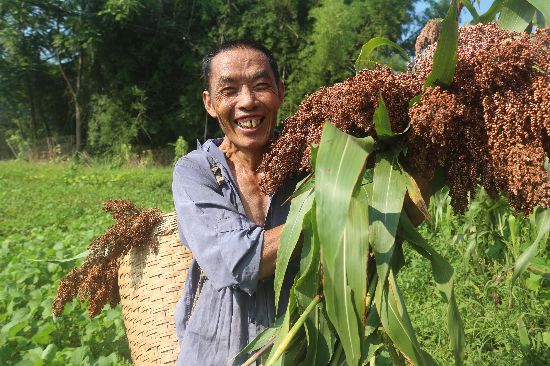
[
  {"x": 97, "y": 278},
  {"x": 490, "y": 126}
]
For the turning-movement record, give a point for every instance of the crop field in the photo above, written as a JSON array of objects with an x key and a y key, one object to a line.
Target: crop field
[
  {"x": 53, "y": 211},
  {"x": 50, "y": 212}
]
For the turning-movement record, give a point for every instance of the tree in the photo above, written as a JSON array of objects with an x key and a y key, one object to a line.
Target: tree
[{"x": 339, "y": 30}]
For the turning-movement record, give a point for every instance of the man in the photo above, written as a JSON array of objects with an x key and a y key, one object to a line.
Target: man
[{"x": 229, "y": 224}]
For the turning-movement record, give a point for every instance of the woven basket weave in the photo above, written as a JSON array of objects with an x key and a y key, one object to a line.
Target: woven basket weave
[{"x": 150, "y": 285}]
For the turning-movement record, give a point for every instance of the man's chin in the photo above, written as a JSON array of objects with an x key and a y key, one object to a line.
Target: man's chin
[{"x": 251, "y": 143}]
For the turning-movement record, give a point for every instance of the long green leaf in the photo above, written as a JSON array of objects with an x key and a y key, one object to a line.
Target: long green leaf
[
  {"x": 320, "y": 335},
  {"x": 444, "y": 277},
  {"x": 344, "y": 268},
  {"x": 281, "y": 345},
  {"x": 491, "y": 13},
  {"x": 543, "y": 227},
  {"x": 543, "y": 6},
  {"x": 355, "y": 246},
  {"x": 339, "y": 164},
  {"x": 387, "y": 197},
  {"x": 396, "y": 322},
  {"x": 308, "y": 283},
  {"x": 444, "y": 60},
  {"x": 320, "y": 338},
  {"x": 371, "y": 341},
  {"x": 373, "y": 319},
  {"x": 468, "y": 5},
  {"x": 262, "y": 339},
  {"x": 299, "y": 206},
  {"x": 516, "y": 15},
  {"x": 381, "y": 119},
  {"x": 283, "y": 330},
  {"x": 365, "y": 61}
]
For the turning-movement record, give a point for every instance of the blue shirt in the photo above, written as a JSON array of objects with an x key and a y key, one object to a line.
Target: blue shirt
[{"x": 234, "y": 304}]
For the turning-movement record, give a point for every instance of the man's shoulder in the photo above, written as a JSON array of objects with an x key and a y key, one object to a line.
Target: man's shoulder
[
  {"x": 194, "y": 159},
  {"x": 196, "y": 166},
  {"x": 200, "y": 158}
]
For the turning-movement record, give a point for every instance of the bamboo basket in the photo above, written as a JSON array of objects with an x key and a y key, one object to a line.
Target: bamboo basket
[{"x": 150, "y": 285}]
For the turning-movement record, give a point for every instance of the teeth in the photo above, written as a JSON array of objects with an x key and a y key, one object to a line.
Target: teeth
[{"x": 251, "y": 123}]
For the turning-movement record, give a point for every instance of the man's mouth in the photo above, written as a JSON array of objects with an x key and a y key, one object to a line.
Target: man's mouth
[{"x": 249, "y": 123}]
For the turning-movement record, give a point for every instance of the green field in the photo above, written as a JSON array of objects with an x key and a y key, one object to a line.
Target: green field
[{"x": 52, "y": 211}]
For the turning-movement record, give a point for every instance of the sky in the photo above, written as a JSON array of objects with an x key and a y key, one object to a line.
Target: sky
[{"x": 481, "y": 8}]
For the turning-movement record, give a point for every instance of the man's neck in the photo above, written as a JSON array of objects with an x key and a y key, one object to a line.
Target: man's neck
[{"x": 242, "y": 158}]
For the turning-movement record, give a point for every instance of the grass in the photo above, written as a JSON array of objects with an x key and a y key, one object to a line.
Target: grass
[{"x": 52, "y": 211}]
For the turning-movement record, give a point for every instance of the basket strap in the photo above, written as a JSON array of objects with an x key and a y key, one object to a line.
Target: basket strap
[{"x": 216, "y": 170}]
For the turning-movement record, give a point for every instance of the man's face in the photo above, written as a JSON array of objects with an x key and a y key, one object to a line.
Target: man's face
[{"x": 244, "y": 97}]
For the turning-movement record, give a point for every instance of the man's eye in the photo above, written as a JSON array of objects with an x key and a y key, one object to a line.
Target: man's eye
[
  {"x": 262, "y": 86},
  {"x": 228, "y": 90}
]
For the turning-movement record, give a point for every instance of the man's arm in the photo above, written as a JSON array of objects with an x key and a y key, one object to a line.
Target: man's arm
[
  {"x": 268, "y": 261},
  {"x": 269, "y": 251}
]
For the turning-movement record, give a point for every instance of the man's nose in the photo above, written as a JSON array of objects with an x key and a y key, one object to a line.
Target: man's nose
[{"x": 247, "y": 98}]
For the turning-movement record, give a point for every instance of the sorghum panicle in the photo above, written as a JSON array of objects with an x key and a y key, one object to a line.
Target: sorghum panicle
[
  {"x": 96, "y": 280},
  {"x": 490, "y": 126}
]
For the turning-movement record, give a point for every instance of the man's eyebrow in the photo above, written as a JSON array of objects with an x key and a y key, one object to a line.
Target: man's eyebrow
[
  {"x": 224, "y": 79},
  {"x": 260, "y": 75}
]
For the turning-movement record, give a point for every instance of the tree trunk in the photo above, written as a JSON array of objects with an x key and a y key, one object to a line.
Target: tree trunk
[
  {"x": 78, "y": 125},
  {"x": 32, "y": 102},
  {"x": 75, "y": 91}
]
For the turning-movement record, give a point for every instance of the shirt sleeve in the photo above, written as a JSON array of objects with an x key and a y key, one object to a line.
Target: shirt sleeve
[{"x": 226, "y": 244}]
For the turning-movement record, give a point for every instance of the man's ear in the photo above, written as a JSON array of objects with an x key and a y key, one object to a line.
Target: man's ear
[{"x": 207, "y": 100}]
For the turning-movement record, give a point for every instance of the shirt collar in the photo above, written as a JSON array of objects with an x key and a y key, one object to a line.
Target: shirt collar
[{"x": 211, "y": 146}]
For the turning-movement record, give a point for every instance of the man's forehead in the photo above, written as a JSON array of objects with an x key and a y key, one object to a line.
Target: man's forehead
[{"x": 239, "y": 63}]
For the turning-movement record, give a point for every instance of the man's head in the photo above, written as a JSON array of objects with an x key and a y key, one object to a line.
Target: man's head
[
  {"x": 244, "y": 93},
  {"x": 238, "y": 43}
]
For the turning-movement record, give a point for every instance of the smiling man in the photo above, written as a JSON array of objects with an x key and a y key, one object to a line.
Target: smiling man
[{"x": 229, "y": 224}]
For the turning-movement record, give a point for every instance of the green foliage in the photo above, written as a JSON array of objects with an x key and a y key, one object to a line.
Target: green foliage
[
  {"x": 289, "y": 237},
  {"x": 444, "y": 59},
  {"x": 59, "y": 54},
  {"x": 365, "y": 60},
  {"x": 19, "y": 144},
  {"x": 112, "y": 128},
  {"x": 480, "y": 246},
  {"x": 338, "y": 30},
  {"x": 398, "y": 311},
  {"x": 65, "y": 215},
  {"x": 344, "y": 246},
  {"x": 181, "y": 147}
]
